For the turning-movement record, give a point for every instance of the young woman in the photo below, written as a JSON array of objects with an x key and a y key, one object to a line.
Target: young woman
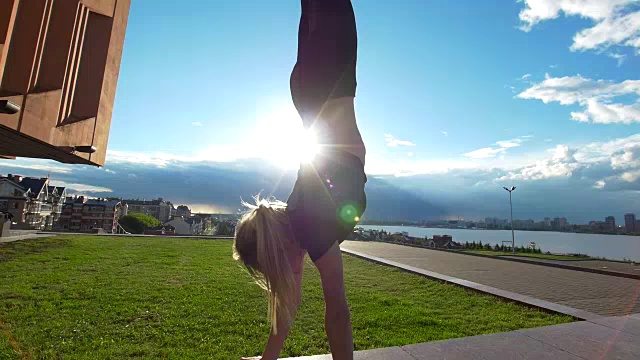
[{"x": 328, "y": 198}]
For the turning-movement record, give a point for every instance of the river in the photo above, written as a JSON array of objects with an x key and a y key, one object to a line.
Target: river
[{"x": 617, "y": 247}]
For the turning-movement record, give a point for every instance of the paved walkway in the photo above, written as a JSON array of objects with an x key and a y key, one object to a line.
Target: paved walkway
[
  {"x": 7, "y": 239},
  {"x": 600, "y": 294},
  {"x": 607, "y": 338},
  {"x": 627, "y": 268}
]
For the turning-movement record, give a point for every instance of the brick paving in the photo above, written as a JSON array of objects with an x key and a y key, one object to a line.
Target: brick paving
[
  {"x": 600, "y": 294},
  {"x": 628, "y": 268}
]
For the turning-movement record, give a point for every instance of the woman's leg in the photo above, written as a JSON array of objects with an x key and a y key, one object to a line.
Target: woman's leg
[
  {"x": 337, "y": 320},
  {"x": 325, "y": 70},
  {"x": 327, "y": 55}
]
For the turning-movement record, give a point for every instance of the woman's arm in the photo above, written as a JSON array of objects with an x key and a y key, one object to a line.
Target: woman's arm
[{"x": 276, "y": 342}]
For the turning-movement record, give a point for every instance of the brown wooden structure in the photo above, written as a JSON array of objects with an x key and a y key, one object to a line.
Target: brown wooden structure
[{"x": 59, "y": 67}]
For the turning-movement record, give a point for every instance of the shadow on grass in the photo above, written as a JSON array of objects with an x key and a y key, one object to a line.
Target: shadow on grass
[{"x": 12, "y": 250}]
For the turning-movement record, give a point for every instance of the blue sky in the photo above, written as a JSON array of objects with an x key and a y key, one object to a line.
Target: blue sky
[
  {"x": 497, "y": 92},
  {"x": 426, "y": 67}
]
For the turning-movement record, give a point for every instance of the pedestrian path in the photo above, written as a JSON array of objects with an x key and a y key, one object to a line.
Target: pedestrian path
[
  {"x": 606, "y": 338},
  {"x": 599, "y": 294},
  {"x": 26, "y": 236},
  {"x": 616, "y": 267}
]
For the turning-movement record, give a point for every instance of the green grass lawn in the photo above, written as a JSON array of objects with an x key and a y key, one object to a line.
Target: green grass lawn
[
  {"x": 88, "y": 297},
  {"x": 531, "y": 255}
]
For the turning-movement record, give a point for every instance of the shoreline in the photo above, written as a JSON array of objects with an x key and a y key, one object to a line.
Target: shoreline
[
  {"x": 598, "y": 246},
  {"x": 525, "y": 230}
]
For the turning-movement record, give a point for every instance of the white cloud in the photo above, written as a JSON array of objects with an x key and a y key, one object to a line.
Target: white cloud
[
  {"x": 502, "y": 146},
  {"x": 617, "y": 161},
  {"x": 217, "y": 153},
  {"x": 484, "y": 153},
  {"x": 616, "y": 22},
  {"x": 410, "y": 154},
  {"x": 109, "y": 171},
  {"x": 197, "y": 124},
  {"x": 509, "y": 143},
  {"x": 562, "y": 164},
  {"x": 82, "y": 187},
  {"x": 393, "y": 142},
  {"x": 595, "y": 96},
  {"x": 621, "y": 30},
  {"x": 525, "y": 76},
  {"x": 28, "y": 165},
  {"x": 627, "y": 158},
  {"x": 631, "y": 176},
  {"x": 445, "y": 133},
  {"x": 618, "y": 57}
]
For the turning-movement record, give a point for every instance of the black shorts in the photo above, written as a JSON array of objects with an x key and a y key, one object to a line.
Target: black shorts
[
  {"x": 327, "y": 54},
  {"x": 327, "y": 201}
]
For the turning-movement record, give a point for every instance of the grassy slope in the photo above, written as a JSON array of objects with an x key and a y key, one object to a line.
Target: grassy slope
[{"x": 91, "y": 297}]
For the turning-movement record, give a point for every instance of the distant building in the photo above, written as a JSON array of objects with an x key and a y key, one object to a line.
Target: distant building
[
  {"x": 183, "y": 211},
  {"x": 33, "y": 203},
  {"x": 599, "y": 226},
  {"x": 161, "y": 230},
  {"x": 57, "y": 195},
  {"x": 558, "y": 223},
  {"x": 159, "y": 209},
  {"x": 611, "y": 223},
  {"x": 90, "y": 215},
  {"x": 188, "y": 226},
  {"x": 630, "y": 223},
  {"x": 442, "y": 242},
  {"x": 547, "y": 222},
  {"x": 523, "y": 224},
  {"x": 496, "y": 223}
]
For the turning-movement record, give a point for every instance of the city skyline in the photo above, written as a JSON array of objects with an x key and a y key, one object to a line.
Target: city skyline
[
  {"x": 136, "y": 203},
  {"x": 455, "y": 100}
]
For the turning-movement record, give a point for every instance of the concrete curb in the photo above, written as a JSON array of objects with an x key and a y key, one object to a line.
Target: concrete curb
[
  {"x": 534, "y": 262},
  {"x": 507, "y": 295}
]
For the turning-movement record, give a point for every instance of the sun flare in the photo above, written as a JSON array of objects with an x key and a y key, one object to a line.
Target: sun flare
[{"x": 284, "y": 141}]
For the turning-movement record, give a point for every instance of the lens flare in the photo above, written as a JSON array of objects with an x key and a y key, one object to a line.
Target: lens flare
[{"x": 348, "y": 213}]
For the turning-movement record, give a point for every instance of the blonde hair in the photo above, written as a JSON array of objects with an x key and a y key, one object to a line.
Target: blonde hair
[{"x": 261, "y": 242}]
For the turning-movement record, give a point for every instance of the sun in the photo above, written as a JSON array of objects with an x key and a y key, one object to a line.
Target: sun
[
  {"x": 283, "y": 140},
  {"x": 308, "y": 146}
]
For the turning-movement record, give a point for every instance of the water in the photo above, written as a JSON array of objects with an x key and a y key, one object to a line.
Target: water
[{"x": 617, "y": 247}]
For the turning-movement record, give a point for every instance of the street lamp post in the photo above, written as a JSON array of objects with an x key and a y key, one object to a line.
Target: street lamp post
[{"x": 513, "y": 234}]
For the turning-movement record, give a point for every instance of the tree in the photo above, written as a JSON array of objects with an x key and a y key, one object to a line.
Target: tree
[
  {"x": 137, "y": 223},
  {"x": 225, "y": 229}
]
